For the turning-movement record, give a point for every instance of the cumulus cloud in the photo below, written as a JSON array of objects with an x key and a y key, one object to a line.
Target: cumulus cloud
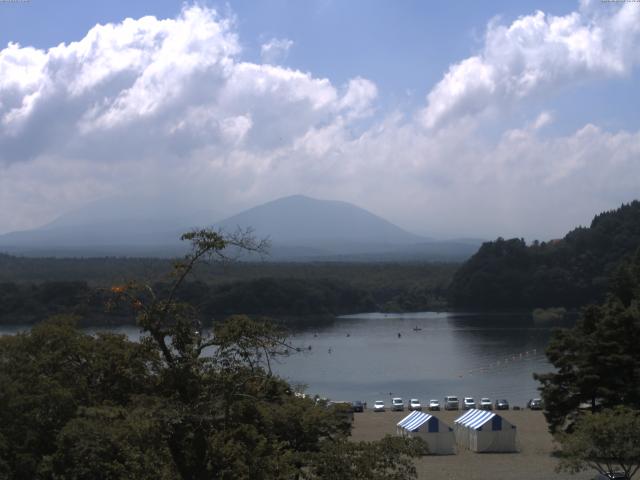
[
  {"x": 525, "y": 184},
  {"x": 170, "y": 108},
  {"x": 164, "y": 97},
  {"x": 537, "y": 52},
  {"x": 275, "y": 50}
]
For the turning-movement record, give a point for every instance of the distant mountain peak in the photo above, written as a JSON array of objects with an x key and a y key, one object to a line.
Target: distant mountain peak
[
  {"x": 300, "y": 228},
  {"x": 300, "y": 199},
  {"x": 299, "y": 219}
]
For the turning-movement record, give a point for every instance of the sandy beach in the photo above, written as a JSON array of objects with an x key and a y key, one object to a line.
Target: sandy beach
[{"x": 533, "y": 461}]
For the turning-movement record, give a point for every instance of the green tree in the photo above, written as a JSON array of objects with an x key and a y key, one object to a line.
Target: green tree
[
  {"x": 47, "y": 374},
  {"x": 608, "y": 442},
  {"x": 103, "y": 443},
  {"x": 388, "y": 459},
  {"x": 597, "y": 362},
  {"x": 231, "y": 417},
  {"x": 186, "y": 401}
]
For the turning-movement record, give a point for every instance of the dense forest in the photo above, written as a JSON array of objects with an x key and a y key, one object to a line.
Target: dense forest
[
  {"x": 106, "y": 271},
  {"x": 291, "y": 293},
  {"x": 569, "y": 272}
]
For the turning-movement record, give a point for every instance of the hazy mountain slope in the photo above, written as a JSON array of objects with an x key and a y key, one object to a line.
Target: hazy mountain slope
[
  {"x": 300, "y": 229},
  {"x": 129, "y": 224},
  {"x": 306, "y": 229},
  {"x": 300, "y": 220}
]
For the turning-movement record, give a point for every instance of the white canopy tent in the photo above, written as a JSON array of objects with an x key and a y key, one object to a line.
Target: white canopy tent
[
  {"x": 485, "y": 431},
  {"x": 437, "y": 434}
]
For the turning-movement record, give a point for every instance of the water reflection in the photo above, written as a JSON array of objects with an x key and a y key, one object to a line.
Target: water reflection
[
  {"x": 428, "y": 355},
  {"x": 425, "y": 355}
]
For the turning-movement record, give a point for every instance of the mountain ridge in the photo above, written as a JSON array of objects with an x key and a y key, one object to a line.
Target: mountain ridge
[
  {"x": 284, "y": 219},
  {"x": 300, "y": 228}
]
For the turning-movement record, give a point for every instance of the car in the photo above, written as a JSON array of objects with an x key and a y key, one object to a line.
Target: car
[
  {"x": 358, "y": 406},
  {"x": 535, "y": 404},
  {"x": 451, "y": 402},
  {"x": 434, "y": 404},
  {"x": 502, "y": 404},
  {"x": 611, "y": 476},
  {"x": 468, "y": 403},
  {"x": 485, "y": 404},
  {"x": 397, "y": 405},
  {"x": 414, "y": 404},
  {"x": 378, "y": 406}
]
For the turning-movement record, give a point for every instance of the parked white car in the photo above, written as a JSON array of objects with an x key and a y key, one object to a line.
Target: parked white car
[
  {"x": 378, "y": 406},
  {"x": 434, "y": 404},
  {"x": 414, "y": 404},
  {"x": 485, "y": 404},
  {"x": 451, "y": 402},
  {"x": 397, "y": 405},
  {"x": 468, "y": 403}
]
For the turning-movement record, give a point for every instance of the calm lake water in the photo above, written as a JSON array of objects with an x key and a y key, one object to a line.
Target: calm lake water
[
  {"x": 425, "y": 355},
  {"x": 362, "y": 357}
]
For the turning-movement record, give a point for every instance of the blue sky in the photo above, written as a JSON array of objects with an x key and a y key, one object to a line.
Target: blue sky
[
  {"x": 559, "y": 104},
  {"x": 404, "y": 47}
]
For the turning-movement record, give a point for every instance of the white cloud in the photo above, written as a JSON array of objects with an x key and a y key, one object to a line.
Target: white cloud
[
  {"x": 359, "y": 97},
  {"x": 536, "y": 52},
  {"x": 170, "y": 106},
  {"x": 144, "y": 101},
  {"x": 275, "y": 50},
  {"x": 542, "y": 120}
]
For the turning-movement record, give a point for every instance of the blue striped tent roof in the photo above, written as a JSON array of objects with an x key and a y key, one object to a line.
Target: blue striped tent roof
[
  {"x": 475, "y": 419},
  {"x": 414, "y": 420}
]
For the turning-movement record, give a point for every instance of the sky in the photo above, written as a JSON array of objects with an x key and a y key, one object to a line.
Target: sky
[{"x": 450, "y": 119}]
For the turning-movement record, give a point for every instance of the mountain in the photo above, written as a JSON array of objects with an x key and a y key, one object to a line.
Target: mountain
[
  {"x": 126, "y": 225},
  {"x": 307, "y": 229},
  {"x": 303, "y": 220},
  {"x": 128, "y": 237},
  {"x": 299, "y": 228},
  {"x": 568, "y": 272}
]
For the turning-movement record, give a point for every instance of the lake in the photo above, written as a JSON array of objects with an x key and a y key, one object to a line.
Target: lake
[
  {"x": 425, "y": 355},
  {"x": 378, "y": 356}
]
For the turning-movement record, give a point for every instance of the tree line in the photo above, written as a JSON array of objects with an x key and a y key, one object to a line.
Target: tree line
[
  {"x": 285, "y": 298},
  {"x": 382, "y": 278},
  {"x": 568, "y": 272}
]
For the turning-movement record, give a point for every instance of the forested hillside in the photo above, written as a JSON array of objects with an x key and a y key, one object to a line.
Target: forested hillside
[
  {"x": 316, "y": 291},
  {"x": 569, "y": 272}
]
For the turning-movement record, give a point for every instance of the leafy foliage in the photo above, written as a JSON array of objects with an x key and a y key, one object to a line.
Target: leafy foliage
[
  {"x": 49, "y": 373},
  {"x": 570, "y": 272},
  {"x": 607, "y": 442},
  {"x": 598, "y": 361},
  {"x": 184, "y": 402},
  {"x": 102, "y": 443},
  {"x": 388, "y": 459}
]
